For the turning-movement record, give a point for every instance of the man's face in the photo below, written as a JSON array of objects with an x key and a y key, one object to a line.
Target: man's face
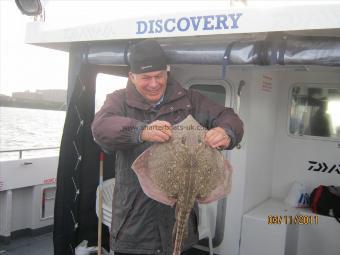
[{"x": 150, "y": 85}]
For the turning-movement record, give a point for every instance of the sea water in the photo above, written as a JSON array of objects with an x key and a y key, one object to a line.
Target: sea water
[{"x": 22, "y": 128}]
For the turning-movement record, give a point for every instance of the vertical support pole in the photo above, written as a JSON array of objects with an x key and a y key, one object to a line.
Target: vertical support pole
[
  {"x": 6, "y": 205},
  {"x": 100, "y": 204}
]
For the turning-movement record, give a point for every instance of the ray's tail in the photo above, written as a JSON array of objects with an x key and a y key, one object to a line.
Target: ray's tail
[{"x": 181, "y": 228}]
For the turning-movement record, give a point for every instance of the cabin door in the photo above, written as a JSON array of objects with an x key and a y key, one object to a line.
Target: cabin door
[{"x": 212, "y": 216}]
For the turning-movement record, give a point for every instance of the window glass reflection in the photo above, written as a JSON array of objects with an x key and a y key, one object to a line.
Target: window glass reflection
[
  {"x": 215, "y": 93},
  {"x": 315, "y": 111}
]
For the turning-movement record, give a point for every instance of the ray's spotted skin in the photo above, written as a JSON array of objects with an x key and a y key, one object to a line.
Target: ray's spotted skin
[{"x": 182, "y": 170}]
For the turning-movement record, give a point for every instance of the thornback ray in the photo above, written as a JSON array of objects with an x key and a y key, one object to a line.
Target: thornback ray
[{"x": 183, "y": 170}]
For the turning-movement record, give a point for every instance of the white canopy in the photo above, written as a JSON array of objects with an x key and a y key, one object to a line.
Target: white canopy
[{"x": 312, "y": 19}]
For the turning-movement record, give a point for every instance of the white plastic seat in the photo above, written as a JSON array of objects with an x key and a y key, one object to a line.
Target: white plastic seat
[{"x": 107, "y": 196}]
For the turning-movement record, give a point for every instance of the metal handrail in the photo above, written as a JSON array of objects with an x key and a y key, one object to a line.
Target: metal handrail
[{"x": 29, "y": 149}]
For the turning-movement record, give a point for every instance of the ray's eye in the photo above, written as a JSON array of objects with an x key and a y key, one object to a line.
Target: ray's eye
[
  {"x": 183, "y": 140},
  {"x": 199, "y": 140}
]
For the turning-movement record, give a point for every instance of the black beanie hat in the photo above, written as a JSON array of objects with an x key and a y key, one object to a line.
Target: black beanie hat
[{"x": 147, "y": 56}]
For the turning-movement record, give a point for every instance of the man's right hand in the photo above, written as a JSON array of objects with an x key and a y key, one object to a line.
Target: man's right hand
[{"x": 157, "y": 131}]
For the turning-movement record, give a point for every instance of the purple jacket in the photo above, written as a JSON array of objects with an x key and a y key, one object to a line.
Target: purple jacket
[{"x": 140, "y": 224}]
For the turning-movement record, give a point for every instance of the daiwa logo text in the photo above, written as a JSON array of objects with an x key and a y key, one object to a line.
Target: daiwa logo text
[{"x": 194, "y": 23}]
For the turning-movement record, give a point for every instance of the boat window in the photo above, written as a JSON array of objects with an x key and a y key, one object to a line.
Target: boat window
[
  {"x": 315, "y": 111},
  {"x": 106, "y": 84},
  {"x": 216, "y": 93}
]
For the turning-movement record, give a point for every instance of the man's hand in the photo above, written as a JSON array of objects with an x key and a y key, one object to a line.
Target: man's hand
[
  {"x": 157, "y": 131},
  {"x": 217, "y": 138}
]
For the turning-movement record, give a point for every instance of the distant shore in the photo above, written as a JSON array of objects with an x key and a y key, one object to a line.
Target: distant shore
[{"x": 32, "y": 104}]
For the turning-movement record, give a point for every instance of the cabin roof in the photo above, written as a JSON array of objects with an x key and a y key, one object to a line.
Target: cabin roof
[{"x": 310, "y": 19}]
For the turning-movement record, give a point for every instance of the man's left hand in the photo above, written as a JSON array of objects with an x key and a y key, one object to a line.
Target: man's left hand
[{"x": 217, "y": 138}]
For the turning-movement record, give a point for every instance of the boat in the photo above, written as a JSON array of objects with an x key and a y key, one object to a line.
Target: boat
[{"x": 274, "y": 66}]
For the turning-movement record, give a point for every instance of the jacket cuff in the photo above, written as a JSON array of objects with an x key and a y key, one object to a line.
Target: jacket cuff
[
  {"x": 138, "y": 131},
  {"x": 232, "y": 136}
]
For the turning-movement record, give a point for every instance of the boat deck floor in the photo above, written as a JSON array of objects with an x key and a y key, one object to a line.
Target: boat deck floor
[
  {"x": 43, "y": 245},
  {"x": 32, "y": 245}
]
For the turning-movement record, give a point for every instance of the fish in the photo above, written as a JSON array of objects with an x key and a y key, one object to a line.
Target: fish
[{"x": 181, "y": 171}]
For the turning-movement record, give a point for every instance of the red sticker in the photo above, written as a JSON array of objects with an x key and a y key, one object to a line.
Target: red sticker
[{"x": 50, "y": 181}]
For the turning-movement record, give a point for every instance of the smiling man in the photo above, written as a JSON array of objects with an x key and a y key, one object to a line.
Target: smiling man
[{"x": 129, "y": 122}]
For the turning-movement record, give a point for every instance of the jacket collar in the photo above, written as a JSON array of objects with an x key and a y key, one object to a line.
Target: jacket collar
[{"x": 134, "y": 99}]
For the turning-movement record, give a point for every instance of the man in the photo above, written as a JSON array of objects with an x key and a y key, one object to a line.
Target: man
[{"x": 129, "y": 122}]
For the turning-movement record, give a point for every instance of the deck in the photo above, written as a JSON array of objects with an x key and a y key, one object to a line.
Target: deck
[
  {"x": 32, "y": 245},
  {"x": 43, "y": 245}
]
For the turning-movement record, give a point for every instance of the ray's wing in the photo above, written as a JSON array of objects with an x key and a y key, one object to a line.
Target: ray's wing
[
  {"x": 156, "y": 170},
  {"x": 214, "y": 181}
]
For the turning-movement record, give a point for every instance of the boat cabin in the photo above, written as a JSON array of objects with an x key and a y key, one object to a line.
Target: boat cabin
[{"x": 278, "y": 68}]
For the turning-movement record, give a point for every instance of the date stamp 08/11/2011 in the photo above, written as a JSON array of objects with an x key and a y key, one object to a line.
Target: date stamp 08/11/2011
[{"x": 293, "y": 219}]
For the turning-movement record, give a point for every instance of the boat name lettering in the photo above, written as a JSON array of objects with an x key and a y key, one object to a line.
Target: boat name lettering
[{"x": 192, "y": 23}]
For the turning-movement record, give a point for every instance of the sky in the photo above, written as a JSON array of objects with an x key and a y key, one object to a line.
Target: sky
[
  {"x": 26, "y": 67},
  {"x": 22, "y": 66}
]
